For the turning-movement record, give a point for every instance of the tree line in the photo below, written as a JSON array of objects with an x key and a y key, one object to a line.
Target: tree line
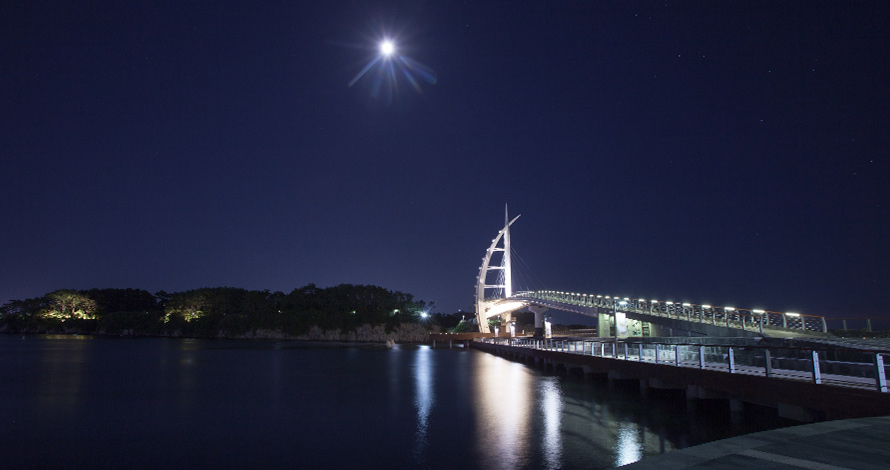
[{"x": 209, "y": 312}]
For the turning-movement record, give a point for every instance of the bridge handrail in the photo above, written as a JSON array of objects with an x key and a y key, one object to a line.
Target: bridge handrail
[
  {"x": 729, "y": 317},
  {"x": 736, "y": 359},
  {"x": 844, "y": 349},
  {"x": 881, "y": 321},
  {"x": 873, "y": 317}
]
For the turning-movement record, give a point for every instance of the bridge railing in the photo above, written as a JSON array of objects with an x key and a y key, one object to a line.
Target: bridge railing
[
  {"x": 866, "y": 324},
  {"x": 846, "y": 367},
  {"x": 730, "y": 317}
]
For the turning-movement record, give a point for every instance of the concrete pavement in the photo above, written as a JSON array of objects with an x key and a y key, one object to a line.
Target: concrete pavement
[{"x": 860, "y": 443}]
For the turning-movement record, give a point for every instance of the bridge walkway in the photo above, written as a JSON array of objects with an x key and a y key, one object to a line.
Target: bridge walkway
[{"x": 705, "y": 320}]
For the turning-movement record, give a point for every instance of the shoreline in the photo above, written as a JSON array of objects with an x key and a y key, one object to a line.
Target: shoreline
[
  {"x": 365, "y": 334},
  {"x": 293, "y": 343}
]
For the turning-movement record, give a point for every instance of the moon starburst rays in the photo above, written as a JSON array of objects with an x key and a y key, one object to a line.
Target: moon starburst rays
[{"x": 385, "y": 68}]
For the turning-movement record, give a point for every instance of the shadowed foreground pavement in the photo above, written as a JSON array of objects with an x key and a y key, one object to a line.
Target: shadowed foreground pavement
[{"x": 861, "y": 443}]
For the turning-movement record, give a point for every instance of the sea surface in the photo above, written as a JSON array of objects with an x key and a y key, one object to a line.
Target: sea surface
[{"x": 87, "y": 402}]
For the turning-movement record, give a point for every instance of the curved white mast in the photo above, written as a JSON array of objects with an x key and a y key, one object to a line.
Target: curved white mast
[
  {"x": 508, "y": 272},
  {"x": 483, "y": 305}
]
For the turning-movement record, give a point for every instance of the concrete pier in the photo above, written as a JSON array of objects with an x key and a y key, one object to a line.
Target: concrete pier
[{"x": 798, "y": 400}]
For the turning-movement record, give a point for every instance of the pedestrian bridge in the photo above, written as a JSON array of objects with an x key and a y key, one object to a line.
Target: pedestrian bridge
[
  {"x": 690, "y": 319},
  {"x": 623, "y": 316}
]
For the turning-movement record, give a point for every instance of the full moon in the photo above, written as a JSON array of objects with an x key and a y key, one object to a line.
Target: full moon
[{"x": 387, "y": 48}]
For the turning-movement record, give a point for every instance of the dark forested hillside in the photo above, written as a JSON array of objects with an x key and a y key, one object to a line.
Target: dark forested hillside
[{"x": 211, "y": 312}]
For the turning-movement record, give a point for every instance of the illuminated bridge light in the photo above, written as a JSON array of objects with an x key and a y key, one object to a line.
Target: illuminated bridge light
[
  {"x": 705, "y": 306},
  {"x": 669, "y": 302},
  {"x": 758, "y": 311},
  {"x": 641, "y": 300},
  {"x": 686, "y": 304},
  {"x": 792, "y": 314},
  {"x": 729, "y": 308}
]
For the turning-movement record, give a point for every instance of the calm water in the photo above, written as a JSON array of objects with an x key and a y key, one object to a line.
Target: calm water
[{"x": 75, "y": 402}]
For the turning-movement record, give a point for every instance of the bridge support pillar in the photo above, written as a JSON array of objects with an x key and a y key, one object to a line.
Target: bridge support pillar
[
  {"x": 644, "y": 387},
  {"x": 603, "y": 324},
  {"x": 736, "y": 411},
  {"x": 736, "y": 406},
  {"x": 539, "y": 319}
]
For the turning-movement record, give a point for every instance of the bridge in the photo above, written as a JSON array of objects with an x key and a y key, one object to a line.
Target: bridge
[
  {"x": 784, "y": 360},
  {"x": 621, "y": 316}
]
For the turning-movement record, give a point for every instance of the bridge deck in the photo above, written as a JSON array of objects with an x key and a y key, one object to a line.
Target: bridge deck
[{"x": 700, "y": 319}]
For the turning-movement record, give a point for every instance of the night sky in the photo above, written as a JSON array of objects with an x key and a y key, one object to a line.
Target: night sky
[{"x": 731, "y": 153}]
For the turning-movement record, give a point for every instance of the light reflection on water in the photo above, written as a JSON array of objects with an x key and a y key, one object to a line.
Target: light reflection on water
[
  {"x": 628, "y": 448},
  {"x": 424, "y": 399},
  {"x": 188, "y": 369},
  {"x": 62, "y": 372},
  {"x": 503, "y": 410},
  {"x": 290, "y": 404},
  {"x": 551, "y": 408}
]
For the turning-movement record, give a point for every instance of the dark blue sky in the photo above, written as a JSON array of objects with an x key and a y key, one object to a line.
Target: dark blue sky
[{"x": 732, "y": 153}]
